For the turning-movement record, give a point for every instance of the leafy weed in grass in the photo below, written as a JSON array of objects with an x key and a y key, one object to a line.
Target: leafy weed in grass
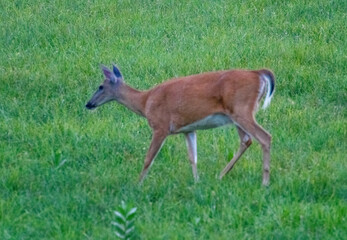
[{"x": 125, "y": 217}]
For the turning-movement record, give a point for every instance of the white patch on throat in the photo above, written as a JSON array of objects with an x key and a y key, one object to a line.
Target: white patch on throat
[{"x": 211, "y": 121}]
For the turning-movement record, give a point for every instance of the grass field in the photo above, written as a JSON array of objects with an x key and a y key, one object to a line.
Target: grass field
[{"x": 64, "y": 170}]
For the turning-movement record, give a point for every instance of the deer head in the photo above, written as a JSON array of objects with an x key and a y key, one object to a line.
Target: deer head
[{"x": 108, "y": 90}]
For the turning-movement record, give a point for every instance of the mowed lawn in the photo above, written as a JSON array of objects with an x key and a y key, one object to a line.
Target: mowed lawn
[{"x": 64, "y": 170}]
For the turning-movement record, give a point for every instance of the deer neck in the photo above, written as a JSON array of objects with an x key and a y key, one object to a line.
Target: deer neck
[{"x": 133, "y": 99}]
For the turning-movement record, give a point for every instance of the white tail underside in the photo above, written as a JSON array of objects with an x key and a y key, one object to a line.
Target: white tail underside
[{"x": 268, "y": 96}]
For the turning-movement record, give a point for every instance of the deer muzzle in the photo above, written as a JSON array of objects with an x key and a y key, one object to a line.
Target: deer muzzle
[{"x": 90, "y": 106}]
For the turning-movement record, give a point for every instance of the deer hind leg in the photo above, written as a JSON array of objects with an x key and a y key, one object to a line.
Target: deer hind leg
[
  {"x": 157, "y": 142},
  {"x": 192, "y": 152},
  {"x": 249, "y": 125},
  {"x": 246, "y": 141}
]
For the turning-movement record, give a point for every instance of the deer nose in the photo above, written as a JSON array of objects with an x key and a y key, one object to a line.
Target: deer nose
[{"x": 90, "y": 106}]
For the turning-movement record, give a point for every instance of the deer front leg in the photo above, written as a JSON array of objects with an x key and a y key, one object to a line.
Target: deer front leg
[
  {"x": 157, "y": 142},
  {"x": 192, "y": 152},
  {"x": 246, "y": 141}
]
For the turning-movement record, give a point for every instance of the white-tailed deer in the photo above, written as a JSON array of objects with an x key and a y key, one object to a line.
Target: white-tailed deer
[{"x": 202, "y": 101}]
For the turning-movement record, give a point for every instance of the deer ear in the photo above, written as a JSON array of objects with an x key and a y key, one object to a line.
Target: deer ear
[
  {"x": 108, "y": 73},
  {"x": 116, "y": 71}
]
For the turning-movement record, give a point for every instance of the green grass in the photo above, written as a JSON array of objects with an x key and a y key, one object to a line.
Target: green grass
[{"x": 64, "y": 170}]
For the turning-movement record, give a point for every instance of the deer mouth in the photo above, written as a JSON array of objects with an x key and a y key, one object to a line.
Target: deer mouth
[{"x": 90, "y": 106}]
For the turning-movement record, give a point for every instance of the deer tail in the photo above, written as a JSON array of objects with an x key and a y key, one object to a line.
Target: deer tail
[{"x": 269, "y": 78}]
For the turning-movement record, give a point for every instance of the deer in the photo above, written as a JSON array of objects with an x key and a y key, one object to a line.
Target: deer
[{"x": 183, "y": 105}]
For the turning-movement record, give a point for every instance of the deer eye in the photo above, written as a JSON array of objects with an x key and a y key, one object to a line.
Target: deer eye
[{"x": 101, "y": 87}]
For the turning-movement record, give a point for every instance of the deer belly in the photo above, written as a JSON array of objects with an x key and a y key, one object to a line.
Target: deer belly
[{"x": 212, "y": 121}]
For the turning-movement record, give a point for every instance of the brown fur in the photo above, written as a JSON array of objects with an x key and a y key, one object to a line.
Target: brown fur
[{"x": 182, "y": 101}]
